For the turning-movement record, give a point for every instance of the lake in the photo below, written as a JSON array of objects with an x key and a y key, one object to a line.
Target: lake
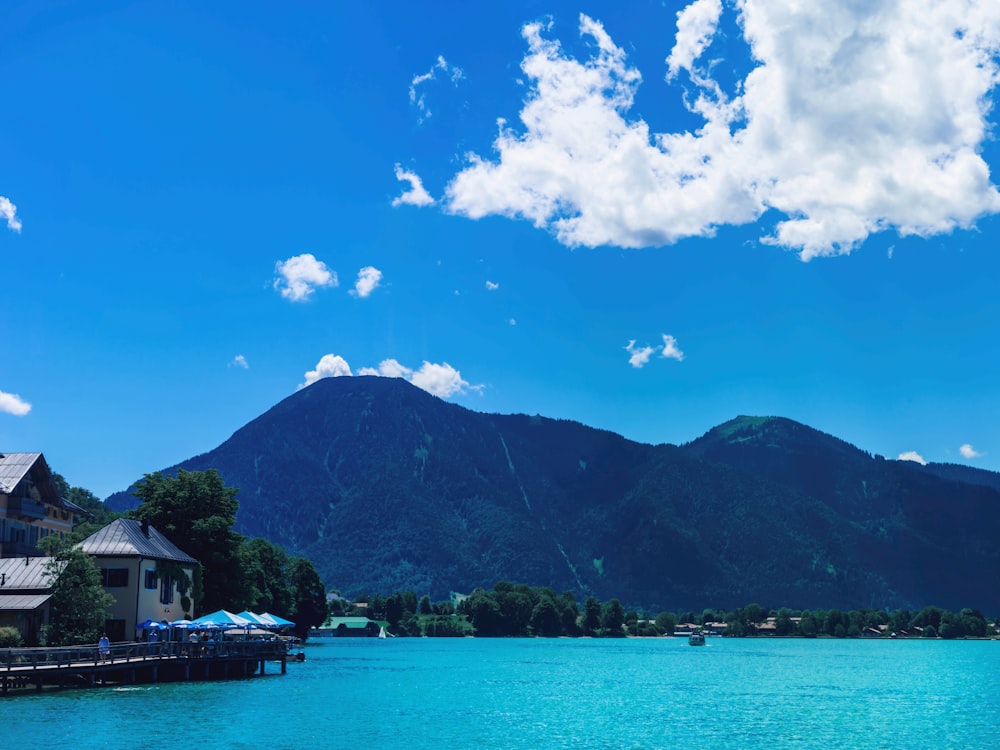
[{"x": 633, "y": 694}]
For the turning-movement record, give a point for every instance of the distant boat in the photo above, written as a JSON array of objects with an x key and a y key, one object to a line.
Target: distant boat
[
  {"x": 696, "y": 639},
  {"x": 381, "y": 633}
]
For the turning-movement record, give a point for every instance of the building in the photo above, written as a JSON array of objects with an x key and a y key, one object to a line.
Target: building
[
  {"x": 148, "y": 576},
  {"x": 30, "y": 506},
  {"x": 25, "y": 589},
  {"x": 345, "y": 627}
]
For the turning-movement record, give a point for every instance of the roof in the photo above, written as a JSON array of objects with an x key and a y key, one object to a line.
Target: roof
[
  {"x": 24, "y": 574},
  {"x": 332, "y": 623},
  {"x": 125, "y": 537},
  {"x": 13, "y": 467},
  {"x": 21, "y": 602}
]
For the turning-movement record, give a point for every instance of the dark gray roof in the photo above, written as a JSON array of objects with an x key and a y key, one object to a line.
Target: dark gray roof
[
  {"x": 125, "y": 538},
  {"x": 22, "y": 602},
  {"x": 13, "y": 467},
  {"x": 24, "y": 573}
]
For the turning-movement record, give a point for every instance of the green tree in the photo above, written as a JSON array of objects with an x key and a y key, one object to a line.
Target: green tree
[
  {"x": 196, "y": 511},
  {"x": 545, "y": 620},
  {"x": 665, "y": 623},
  {"x": 424, "y": 606},
  {"x": 612, "y": 618},
  {"x": 309, "y": 608},
  {"x": 591, "y": 615},
  {"x": 483, "y": 612},
  {"x": 79, "y": 604},
  {"x": 266, "y": 567}
]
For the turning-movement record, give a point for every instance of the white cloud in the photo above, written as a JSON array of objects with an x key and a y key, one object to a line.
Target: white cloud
[
  {"x": 369, "y": 278},
  {"x": 8, "y": 211},
  {"x": 670, "y": 349},
  {"x": 911, "y": 456},
  {"x": 11, "y": 403},
  {"x": 440, "y": 380},
  {"x": 420, "y": 100},
  {"x": 968, "y": 451},
  {"x": 857, "y": 118},
  {"x": 240, "y": 361},
  {"x": 639, "y": 354},
  {"x": 492, "y": 286},
  {"x": 415, "y": 195},
  {"x": 301, "y": 275},
  {"x": 329, "y": 366}
]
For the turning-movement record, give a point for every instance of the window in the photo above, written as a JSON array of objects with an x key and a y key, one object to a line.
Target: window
[
  {"x": 167, "y": 590},
  {"x": 151, "y": 580},
  {"x": 114, "y": 578},
  {"x": 182, "y": 585}
]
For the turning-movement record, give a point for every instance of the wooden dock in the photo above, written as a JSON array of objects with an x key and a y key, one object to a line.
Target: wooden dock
[{"x": 135, "y": 663}]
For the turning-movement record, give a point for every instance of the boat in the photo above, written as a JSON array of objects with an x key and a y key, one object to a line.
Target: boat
[
  {"x": 381, "y": 633},
  {"x": 696, "y": 639}
]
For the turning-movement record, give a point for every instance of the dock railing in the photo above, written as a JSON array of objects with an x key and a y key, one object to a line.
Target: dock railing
[{"x": 21, "y": 659}]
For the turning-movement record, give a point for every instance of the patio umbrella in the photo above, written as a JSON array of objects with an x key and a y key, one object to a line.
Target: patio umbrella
[
  {"x": 223, "y": 618},
  {"x": 149, "y": 624},
  {"x": 276, "y": 621}
]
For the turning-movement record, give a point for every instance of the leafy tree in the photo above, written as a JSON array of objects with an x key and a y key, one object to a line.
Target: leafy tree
[
  {"x": 545, "y": 620},
  {"x": 569, "y": 613},
  {"x": 10, "y": 637},
  {"x": 267, "y": 568},
  {"x": 591, "y": 615},
  {"x": 79, "y": 603},
  {"x": 612, "y": 618},
  {"x": 424, "y": 607},
  {"x": 196, "y": 511},
  {"x": 665, "y": 623},
  {"x": 483, "y": 612},
  {"x": 309, "y": 607}
]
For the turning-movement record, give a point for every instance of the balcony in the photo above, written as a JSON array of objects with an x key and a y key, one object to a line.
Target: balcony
[{"x": 25, "y": 509}]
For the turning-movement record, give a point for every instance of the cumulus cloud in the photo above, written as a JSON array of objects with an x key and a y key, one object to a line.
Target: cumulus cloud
[
  {"x": 8, "y": 211},
  {"x": 670, "y": 349},
  {"x": 415, "y": 195},
  {"x": 240, "y": 361},
  {"x": 369, "y": 278},
  {"x": 855, "y": 118},
  {"x": 11, "y": 403},
  {"x": 440, "y": 380},
  {"x": 640, "y": 355},
  {"x": 968, "y": 451},
  {"x": 329, "y": 366},
  {"x": 419, "y": 100},
  {"x": 911, "y": 456},
  {"x": 301, "y": 275},
  {"x": 492, "y": 286}
]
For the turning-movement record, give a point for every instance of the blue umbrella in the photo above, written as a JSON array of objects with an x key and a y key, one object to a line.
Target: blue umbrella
[{"x": 150, "y": 624}]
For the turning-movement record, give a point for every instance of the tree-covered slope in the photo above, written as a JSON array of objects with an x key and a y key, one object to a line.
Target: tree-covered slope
[{"x": 386, "y": 488}]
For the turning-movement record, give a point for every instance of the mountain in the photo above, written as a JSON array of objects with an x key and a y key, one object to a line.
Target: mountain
[{"x": 387, "y": 488}]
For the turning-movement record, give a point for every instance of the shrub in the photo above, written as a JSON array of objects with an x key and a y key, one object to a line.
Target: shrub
[{"x": 10, "y": 638}]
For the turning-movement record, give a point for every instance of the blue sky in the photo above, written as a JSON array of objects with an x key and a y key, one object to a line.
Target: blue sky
[{"x": 649, "y": 219}]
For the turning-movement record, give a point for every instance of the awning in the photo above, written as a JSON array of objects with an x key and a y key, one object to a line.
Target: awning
[{"x": 22, "y": 602}]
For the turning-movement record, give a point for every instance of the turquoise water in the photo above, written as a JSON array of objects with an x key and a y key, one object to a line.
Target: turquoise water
[{"x": 522, "y": 693}]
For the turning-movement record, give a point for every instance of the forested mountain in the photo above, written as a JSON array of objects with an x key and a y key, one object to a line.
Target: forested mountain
[{"x": 386, "y": 488}]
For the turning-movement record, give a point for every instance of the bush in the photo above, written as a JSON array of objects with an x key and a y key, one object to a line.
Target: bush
[{"x": 10, "y": 638}]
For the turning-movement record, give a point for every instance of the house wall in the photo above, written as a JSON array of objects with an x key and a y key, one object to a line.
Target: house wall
[{"x": 136, "y": 602}]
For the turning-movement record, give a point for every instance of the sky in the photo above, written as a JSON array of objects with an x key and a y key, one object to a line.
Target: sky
[{"x": 648, "y": 217}]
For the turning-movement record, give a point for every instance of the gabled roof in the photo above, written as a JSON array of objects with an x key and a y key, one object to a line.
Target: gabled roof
[
  {"x": 13, "y": 467},
  {"x": 125, "y": 537},
  {"x": 24, "y": 574}
]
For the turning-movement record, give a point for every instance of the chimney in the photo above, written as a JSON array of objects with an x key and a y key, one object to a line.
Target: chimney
[{"x": 144, "y": 526}]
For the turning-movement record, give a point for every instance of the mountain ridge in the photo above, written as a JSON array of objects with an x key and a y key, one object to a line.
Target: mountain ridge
[{"x": 386, "y": 487}]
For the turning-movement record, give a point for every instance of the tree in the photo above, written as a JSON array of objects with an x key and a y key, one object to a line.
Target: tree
[
  {"x": 79, "y": 603},
  {"x": 266, "y": 566},
  {"x": 665, "y": 623},
  {"x": 196, "y": 511},
  {"x": 545, "y": 618},
  {"x": 591, "y": 615},
  {"x": 483, "y": 612},
  {"x": 612, "y": 618},
  {"x": 424, "y": 606},
  {"x": 309, "y": 607}
]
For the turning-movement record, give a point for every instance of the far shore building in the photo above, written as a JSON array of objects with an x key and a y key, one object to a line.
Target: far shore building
[{"x": 147, "y": 574}]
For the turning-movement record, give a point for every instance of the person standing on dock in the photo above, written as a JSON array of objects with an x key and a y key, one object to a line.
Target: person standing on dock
[{"x": 103, "y": 647}]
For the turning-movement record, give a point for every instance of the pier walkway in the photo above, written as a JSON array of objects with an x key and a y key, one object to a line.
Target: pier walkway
[{"x": 136, "y": 663}]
